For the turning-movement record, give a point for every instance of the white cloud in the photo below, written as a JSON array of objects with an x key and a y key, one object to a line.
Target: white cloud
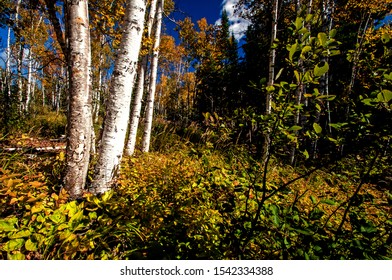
[{"x": 238, "y": 25}]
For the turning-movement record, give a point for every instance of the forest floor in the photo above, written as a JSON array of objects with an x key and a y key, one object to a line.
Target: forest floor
[{"x": 205, "y": 195}]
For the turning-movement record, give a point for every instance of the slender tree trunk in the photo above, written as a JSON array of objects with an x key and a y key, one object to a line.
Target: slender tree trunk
[
  {"x": 30, "y": 87},
  {"x": 117, "y": 115},
  {"x": 29, "y": 82},
  {"x": 136, "y": 111},
  {"x": 43, "y": 96},
  {"x": 137, "y": 103},
  {"x": 79, "y": 116},
  {"x": 19, "y": 58},
  {"x": 152, "y": 85},
  {"x": 8, "y": 63},
  {"x": 331, "y": 7},
  {"x": 271, "y": 76},
  {"x": 272, "y": 58}
]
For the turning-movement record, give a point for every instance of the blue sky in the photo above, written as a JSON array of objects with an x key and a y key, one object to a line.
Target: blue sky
[
  {"x": 198, "y": 9},
  {"x": 210, "y": 9}
]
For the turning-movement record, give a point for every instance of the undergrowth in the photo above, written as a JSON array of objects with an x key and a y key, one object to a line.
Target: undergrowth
[{"x": 191, "y": 203}]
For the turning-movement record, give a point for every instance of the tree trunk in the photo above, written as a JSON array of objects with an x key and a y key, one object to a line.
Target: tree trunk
[
  {"x": 117, "y": 115},
  {"x": 271, "y": 77},
  {"x": 79, "y": 115},
  {"x": 272, "y": 57},
  {"x": 137, "y": 103},
  {"x": 152, "y": 85},
  {"x": 29, "y": 82}
]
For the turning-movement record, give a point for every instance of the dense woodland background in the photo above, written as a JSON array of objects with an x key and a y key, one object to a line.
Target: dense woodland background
[{"x": 120, "y": 141}]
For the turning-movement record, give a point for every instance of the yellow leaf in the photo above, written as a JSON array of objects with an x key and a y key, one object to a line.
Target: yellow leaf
[{"x": 13, "y": 201}]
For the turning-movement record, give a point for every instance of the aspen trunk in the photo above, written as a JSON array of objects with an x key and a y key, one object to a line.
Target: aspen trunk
[
  {"x": 152, "y": 85},
  {"x": 137, "y": 103},
  {"x": 117, "y": 115},
  {"x": 79, "y": 115},
  {"x": 8, "y": 63},
  {"x": 271, "y": 77},
  {"x": 29, "y": 82},
  {"x": 272, "y": 58}
]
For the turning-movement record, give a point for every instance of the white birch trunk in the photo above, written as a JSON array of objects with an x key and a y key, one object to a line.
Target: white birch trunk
[
  {"x": 19, "y": 59},
  {"x": 29, "y": 82},
  {"x": 79, "y": 115},
  {"x": 271, "y": 76},
  {"x": 136, "y": 110},
  {"x": 137, "y": 104},
  {"x": 8, "y": 63},
  {"x": 117, "y": 115},
  {"x": 152, "y": 85}
]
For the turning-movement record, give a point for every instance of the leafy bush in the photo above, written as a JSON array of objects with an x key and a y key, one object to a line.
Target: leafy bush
[
  {"x": 39, "y": 224},
  {"x": 194, "y": 203},
  {"x": 48, "y": 124}
]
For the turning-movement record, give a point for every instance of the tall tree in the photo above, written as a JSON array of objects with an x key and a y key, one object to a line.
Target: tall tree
[
  {"x": 153, "y": 78},
  {"x": 79, "y": 116},
  {"x": 118, "y": 105},
  {"x": 137, "y": 102}
]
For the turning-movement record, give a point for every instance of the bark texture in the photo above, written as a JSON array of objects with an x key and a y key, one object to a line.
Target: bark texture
[
  {"x": 79, "y": 115},
  {"x": 118, "y": 107},
  {"x": 137, "y": 103},
  {"x": 152, "y": 87}
]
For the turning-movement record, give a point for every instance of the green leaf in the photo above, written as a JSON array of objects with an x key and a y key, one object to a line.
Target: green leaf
[
  {"x": 321, "y": 69},
  {"x": 72, "y": 208},
  {"x": 303, "y": 231},
  {"x": 16, "y": 256},
  {"x": 332, "y": 33},
  {"x": 327, "y": 97},
  {"x": 275, "y": 215},
  {"x": 385, "y": 38},
  {"x": 292, "y": 50},
  {"x": 306, "y": 49},
  {"x": 57, "y": 217},
  {"x": 323, "y": 38},
  {"x": 8, "y": 225},
  {"x": 30, "y": 246},
  {"x": 270, "y": 88},
  {"x": 306, "y": 154},
  {"x": 13, "y": 244},
  {"x": 20, "y": 234},
  {"x": 313, "y": 199},
  {"x": 295, "y": 128},
  {"x": 317, "y": 128},
  {"x": 279, "y": 74},
  {"x": 297, "y": 76},
  {"x": 107, "y": 195},
  {"x": 384, "y": 96},
  {"x": 299, "y": 22},
  {"x": 388, "y": 76},
  {"x": 309, "y": 17},
  {"x": 328, "y": 201}
]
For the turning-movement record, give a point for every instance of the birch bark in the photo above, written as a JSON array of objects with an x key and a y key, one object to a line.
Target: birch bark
[
  {"x": 152, "y": 86},
  {"x": 137, "y": 104},
  {"x": 79, "y": 115},
  {"x": 117, "y": 115},
  {"x": 271, "y": 78}
]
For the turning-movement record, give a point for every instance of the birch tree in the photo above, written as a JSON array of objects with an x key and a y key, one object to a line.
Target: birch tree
[
  {"x": 153, "y": 78},
  {"x": 79, "y": 115},
  {"x": 271, "y": 76},
  {"x": 118, "y": 104},
  {"x": 137, "y": 104}
]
